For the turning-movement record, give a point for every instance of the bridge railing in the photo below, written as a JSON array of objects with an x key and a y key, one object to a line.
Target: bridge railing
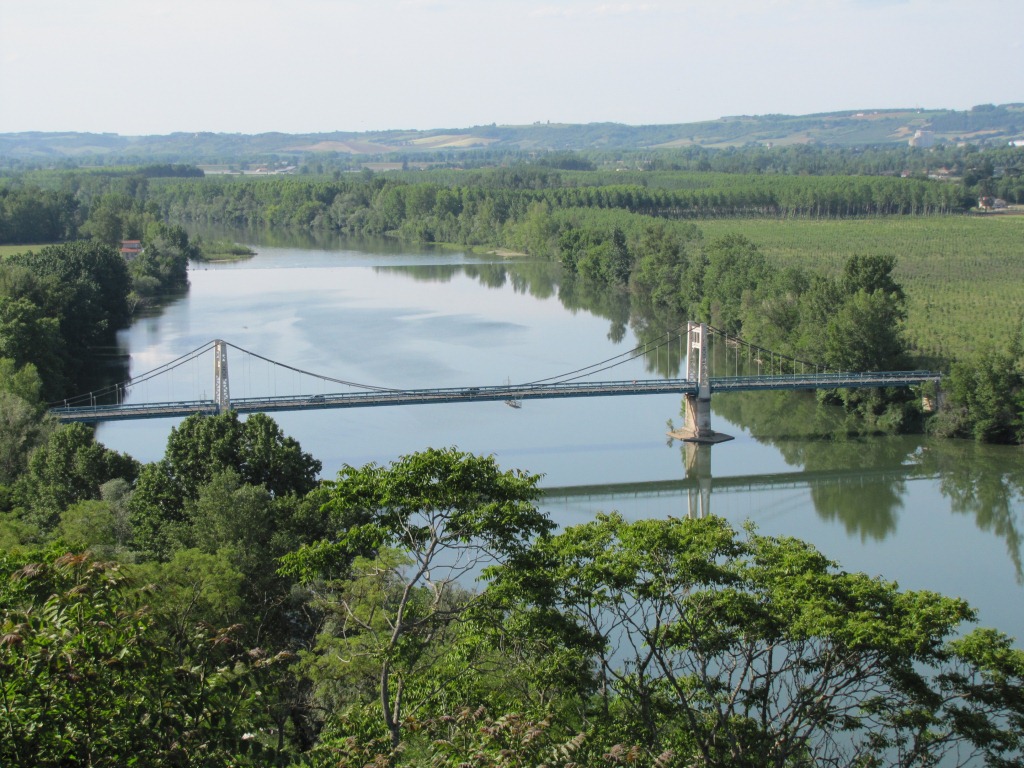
[
  {"x": 370, "y": 398},
  {"x": 124, "y": 411},
  {"x": 513, "y": 392},
  {"x": 825, "y": 380},
  {"x": 454, "y": 394}
]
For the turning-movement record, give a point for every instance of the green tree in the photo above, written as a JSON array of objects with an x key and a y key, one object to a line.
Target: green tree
[
  {"x": 28, "y": 337},
  {"x": 23, "y": 381},
  {"x": 667, "y": 270},
  {"x": 247, "y": 527},
  {"x": 771, "y": 313},
  {"x": 89, "y": 676},
  {"x": 69, "y": 468},
  {"x": 751, "y": 650},
  {"x": 603, "y": 258},
  {"x": 22, "y": 430},
  {"x": 32, "y": 215},
  {"x": 854, "y": 323},
  {"x": 405, "y": 535},
  {"x": 508, "y": 741},
  {"x": 85, "y": 285},
  {"x": 63, "y": 303},
  {"x": 202, "y": 447},
  {"x": 733, "y": 267},
  {"x": 89, "y": 525},
  {"x": 99, "y": 525},
  {"x": 984, "y": 399},
  {"x": 114, "y": 217},
  {"x": 865, "y": 333},
  {"x": 538, "y": 231},
  {"x": 195, "y": 588},
  {"x": 162, "y": 267},
  {"x": 871, "y": 274},
  {"x": 256, "y": 448}
]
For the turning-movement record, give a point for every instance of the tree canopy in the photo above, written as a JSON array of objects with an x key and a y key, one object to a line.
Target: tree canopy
[{"x": 408, "y": 537}]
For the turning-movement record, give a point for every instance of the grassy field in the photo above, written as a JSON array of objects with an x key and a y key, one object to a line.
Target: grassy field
[
  {"x": 7, "y": 250},
  {"x": 964, "y": 275}
]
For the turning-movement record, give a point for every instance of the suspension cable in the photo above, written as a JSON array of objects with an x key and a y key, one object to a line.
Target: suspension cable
[
  {"x": 314, "y": 375},
  {"x": 142, "y": 377},
  {"x": 170, "y": 366},
  {"x": 736, "y": 339},
  {"x": 579, "y": 373},
  {"x": 629, "y": 355}
]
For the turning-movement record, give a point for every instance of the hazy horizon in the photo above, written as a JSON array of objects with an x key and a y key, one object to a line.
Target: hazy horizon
[
  {"x": 319, "y": 66},
  {"x": 865, "y": 110}
]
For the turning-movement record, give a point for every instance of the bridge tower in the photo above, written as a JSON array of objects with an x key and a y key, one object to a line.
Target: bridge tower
[
  {"x": 697, "y": 426},
  {"x": 221, "y": 390}
]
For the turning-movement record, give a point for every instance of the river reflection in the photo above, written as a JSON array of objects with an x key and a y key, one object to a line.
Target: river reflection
[
  {"x": 858, "y": 482},
  {"x": 983, "y": 482},
  {"x": 863, "y": 484},
  {"x": 932, "y": 515}
]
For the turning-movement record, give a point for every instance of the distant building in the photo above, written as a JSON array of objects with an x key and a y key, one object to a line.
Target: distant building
[
  {"x": 922, "y": 139},
  {"x": 130, "y": 249},
  {"x": 988, "y": 203}
]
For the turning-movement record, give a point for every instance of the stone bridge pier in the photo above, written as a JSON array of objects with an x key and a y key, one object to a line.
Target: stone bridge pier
[{"x": 697, "y": 414}]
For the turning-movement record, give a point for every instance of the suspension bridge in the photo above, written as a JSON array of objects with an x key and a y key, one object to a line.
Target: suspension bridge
[{"x": 715, "y": 362}]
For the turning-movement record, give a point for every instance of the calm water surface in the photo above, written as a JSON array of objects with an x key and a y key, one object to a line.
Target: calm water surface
[{"x": 931, "y": 515}]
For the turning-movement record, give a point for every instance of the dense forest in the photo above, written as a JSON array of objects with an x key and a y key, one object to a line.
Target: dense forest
[
  {"x": 226, "y": 606},
  {"x": 62, "y": 303},
  {"x": 230, "y": 610}
]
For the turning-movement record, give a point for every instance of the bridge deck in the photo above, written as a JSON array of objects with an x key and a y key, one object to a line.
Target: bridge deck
[{"x": 98, "y": 413}]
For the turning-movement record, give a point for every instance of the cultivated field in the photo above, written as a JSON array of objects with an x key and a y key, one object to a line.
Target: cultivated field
[
  {"x": 7, "y": 250},
  {"x": 964, "y": 275}
]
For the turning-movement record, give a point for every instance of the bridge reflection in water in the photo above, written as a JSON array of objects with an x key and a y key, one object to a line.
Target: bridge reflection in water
[{"x": 699, "y": 482}]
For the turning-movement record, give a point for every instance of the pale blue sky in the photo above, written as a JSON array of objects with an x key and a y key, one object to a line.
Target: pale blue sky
[{"x": 249, "y": 66}]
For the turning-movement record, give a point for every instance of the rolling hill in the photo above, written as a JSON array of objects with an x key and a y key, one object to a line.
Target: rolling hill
[{"x": 985, "y": 124}]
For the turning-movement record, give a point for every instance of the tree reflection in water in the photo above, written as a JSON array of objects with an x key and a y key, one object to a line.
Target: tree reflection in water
[
  {"x": 986, "y": 481},
  {"x": 857, "y": 480},
  {"x": 983, "y": 481}
]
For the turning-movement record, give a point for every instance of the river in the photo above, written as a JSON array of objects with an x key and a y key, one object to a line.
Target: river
[{"x": 938, "y": 515}]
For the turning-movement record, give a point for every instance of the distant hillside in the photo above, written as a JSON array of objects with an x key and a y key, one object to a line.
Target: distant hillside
[{"x": 986, "y": 124}]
